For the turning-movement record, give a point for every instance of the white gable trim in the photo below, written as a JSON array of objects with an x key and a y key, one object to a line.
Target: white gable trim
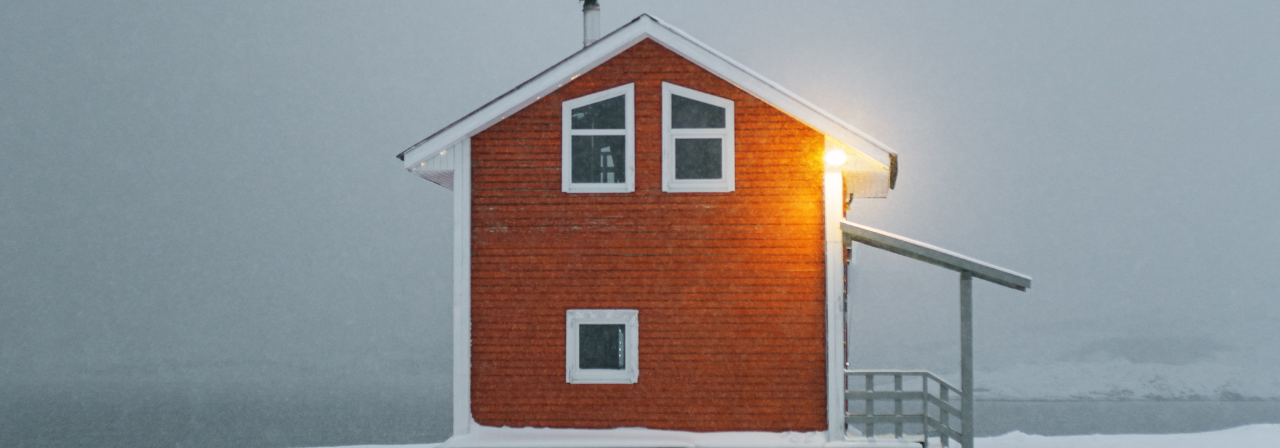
[
  {"x": 678, "y": 41},
  {"x": 528, "y": 92}
]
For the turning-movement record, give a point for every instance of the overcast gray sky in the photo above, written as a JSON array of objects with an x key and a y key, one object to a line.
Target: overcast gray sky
[{"x": 208, "y": 192}]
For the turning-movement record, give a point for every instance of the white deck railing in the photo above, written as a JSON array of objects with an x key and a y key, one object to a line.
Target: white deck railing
[
  {"x": 921, "y": 406},
  {"x": 941, "y": 425}
]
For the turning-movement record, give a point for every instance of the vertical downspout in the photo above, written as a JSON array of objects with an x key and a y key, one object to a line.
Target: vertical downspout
[
  {"x": 590, "y": 22},
  {"x": 849, "y": 262},
  {"x": 844, "y": 316}
]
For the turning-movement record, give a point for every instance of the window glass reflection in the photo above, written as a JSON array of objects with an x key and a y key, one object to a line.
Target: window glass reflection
[
  {"x": 601, "y": 347},
  {"x": 599, "y": 159},
  {"x": 698, "y": 158},
  {"x": 692, "y": 114},
  {"x": 607, "y": 114}
]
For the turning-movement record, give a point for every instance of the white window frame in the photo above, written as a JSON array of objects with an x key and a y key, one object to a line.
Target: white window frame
[
  {"x": 669, "y": 182},
  {"x": 629, "y": 374},
  {"x": 567, "y": 133}
]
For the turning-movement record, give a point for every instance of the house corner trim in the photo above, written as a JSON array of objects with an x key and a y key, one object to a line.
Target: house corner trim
[
  {"x": 833, "y": 238},
  {"x": 462, "y": 289}
]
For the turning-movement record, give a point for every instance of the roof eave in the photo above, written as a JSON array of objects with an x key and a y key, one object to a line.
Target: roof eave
[
  {"x": 642, "y": 27},
  {"x": 527, "y": 92}
]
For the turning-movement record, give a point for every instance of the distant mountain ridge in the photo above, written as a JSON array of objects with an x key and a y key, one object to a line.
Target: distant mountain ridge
[{"x": 1124, "y": 380}]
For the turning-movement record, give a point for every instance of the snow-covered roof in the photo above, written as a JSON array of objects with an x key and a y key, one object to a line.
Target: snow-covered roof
[{"x": 879, "y": 156}]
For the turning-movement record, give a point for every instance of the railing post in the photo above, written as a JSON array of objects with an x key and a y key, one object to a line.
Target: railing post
[
  {"x": 871, "y": 406},
  {"x": 944, "y": 417},
  {"x": 924, "y": 408},
  {"x": 966, "y": 359},
  {"x": 897, "y": 406}
]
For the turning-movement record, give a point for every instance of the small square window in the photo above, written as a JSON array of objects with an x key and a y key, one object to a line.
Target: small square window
[{"x": 601, "y": 346}]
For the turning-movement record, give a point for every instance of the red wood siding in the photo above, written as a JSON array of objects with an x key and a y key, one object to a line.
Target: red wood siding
[{"x": 729, "y": 286}]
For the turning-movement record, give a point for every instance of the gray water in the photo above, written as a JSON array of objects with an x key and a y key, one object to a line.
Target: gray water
[
  {"x": 110, "y": 415},
  {"x": 175, "y": 415}
]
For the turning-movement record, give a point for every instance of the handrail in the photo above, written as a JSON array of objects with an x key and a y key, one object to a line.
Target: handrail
[
  {"x": 968, "y": 269},
  {"x": 924, "y": 373},
  {"x": 940, "y": 402},
  {"x": 934, "y": 255}
]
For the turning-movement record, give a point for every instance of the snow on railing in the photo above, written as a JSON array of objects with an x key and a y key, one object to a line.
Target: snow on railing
[{"x": 919, "y": 411}]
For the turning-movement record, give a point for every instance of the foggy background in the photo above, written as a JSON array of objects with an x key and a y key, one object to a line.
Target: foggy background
[{"x": 205, "y": 237}]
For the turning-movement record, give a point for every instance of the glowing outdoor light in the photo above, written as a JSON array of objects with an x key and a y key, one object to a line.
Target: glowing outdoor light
[{"x": 835, "y": 157}]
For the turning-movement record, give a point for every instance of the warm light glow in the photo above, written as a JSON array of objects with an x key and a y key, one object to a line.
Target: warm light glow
[{"x": 835, "y": 157}]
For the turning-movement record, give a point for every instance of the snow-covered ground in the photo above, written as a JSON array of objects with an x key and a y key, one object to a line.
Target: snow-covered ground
[
  {"x": 1244, "y": 436},
  {"x": 1088, "y": 380},
  {"x": 1124, "y": 380}
]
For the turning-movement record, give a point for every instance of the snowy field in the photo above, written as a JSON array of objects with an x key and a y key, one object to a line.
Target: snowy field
[
  {"x": 1244, "y": 436},
  {"x": 1251, "y": 435}
]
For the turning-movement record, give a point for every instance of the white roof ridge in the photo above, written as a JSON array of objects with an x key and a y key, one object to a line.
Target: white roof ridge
[{"x": 667, "y": 35}]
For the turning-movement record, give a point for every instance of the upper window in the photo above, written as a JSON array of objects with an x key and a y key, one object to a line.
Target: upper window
[
  {"x": 697, "y": 141},
  {"x": 598, "y": 147},
  {"x": 601, "y": 346}
]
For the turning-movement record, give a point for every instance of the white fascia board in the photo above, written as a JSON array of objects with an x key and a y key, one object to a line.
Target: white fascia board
[
  {"x": 935, "y": 255},
  {"x": 436, "y": 161},
  {"x": 676, "y": 40}
]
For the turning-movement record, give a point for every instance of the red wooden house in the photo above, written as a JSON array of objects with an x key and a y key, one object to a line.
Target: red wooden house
[{"x": 650, "y": 235}]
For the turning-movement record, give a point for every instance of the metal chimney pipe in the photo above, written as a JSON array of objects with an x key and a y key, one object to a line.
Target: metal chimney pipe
[{"x": 590, "y": 22}]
